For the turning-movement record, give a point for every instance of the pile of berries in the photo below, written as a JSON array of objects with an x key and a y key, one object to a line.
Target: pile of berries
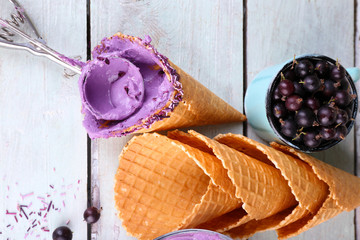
[{"x": 312, "y": 102}]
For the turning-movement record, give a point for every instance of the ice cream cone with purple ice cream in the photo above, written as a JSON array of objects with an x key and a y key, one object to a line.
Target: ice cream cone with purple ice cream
[{"x": 129, "y": 87}]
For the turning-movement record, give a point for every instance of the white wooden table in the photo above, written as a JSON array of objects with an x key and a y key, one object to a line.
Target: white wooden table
[{"x": 48, "y": 164}]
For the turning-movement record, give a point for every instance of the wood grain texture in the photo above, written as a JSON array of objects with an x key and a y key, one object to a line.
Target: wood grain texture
[
  {"x": 276, "y": 30},
  {"x": 42, "y": 142},
  {"x": 203, "y": 37}
]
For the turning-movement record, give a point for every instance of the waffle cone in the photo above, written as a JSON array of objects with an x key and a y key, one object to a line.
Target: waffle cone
[
  {"x": 149, "y": 185},
  {"x": 260, "y": 186},
  {"x": 309, "y": 191},
  {"x": 227, "y": 221},
  {"x": 214, "y": 203},
  {"x": 344, "y": 193},
  {"x": 220, "y": 198},
  {"x": 159, "y": 189},
  {"x": 198, "y": 107},
  {"x": 250, "y": 228},
  {"x": 205, "y": 159}
]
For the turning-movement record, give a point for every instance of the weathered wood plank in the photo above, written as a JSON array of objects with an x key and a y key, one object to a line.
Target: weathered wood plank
[
  {"x": 202, "y": 37},
  {"x": 42, "y": 141},
  {"x": 276, "y": 31}
]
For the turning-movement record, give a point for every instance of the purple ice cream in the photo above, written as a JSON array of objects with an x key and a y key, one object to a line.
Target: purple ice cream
[{"x": 127, "y": 87}]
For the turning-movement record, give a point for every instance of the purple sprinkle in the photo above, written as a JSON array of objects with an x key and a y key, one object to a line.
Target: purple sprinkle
[
  {"x": 49, "y": 206},
  {"x": 10, "y": 213},
  {"x": 26, "y": 195},
  {"x": 147, "y": 40},
  {"x": 24, "y": 213}
]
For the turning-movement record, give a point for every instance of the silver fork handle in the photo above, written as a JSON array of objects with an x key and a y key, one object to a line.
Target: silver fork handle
[{"x": 40, "y": 49}]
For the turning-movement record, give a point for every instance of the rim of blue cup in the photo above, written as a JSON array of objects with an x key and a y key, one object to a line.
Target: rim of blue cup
[
  {"x": 272, "y": 119},
  {"x": 192, "y": 230}
]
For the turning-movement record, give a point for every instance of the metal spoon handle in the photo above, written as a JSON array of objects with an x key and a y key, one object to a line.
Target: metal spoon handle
[{"x": 44, "y": 50}]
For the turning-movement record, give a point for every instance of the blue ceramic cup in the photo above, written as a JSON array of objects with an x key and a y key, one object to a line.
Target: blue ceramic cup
[{"x": 258, "y": 99}]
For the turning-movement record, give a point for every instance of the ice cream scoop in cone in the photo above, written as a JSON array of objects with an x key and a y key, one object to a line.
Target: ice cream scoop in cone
[{"x": 129, "y": 87}]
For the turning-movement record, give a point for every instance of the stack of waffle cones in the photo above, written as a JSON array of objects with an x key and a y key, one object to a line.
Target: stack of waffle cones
[{"x": 230, "y": 184}]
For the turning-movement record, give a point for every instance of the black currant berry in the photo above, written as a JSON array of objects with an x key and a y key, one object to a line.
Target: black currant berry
[
  {"x": 341, "y": 133},
  {"x": 327, "y": 133},
  {"x": 279, "y": 110},
  {"x": 337, "y": 72},
  {"x": 277, "y": 94},
  {"x": 290, "y": 75},
  {"x": 305, "y": 117},
  {"x": 326, "y": 115},
  {"x": 341, "y": 117},
  {"x": 303, "y": 68},
  {"x": 322, "y": 68},
  {"x": 342, "y": 98},
  {"x": 329, "y": 88},
  {"x": 288, "y": 127},
  {"x": 299, "y": 89},
  {"x": 312, "y": 139},
  {"x": 91, "y": 215},
  {"x": 293, "y": 103},
  {"x": 312, "y": 103},
  {"x": 62, "y": 233},
  {"x": 312, "y": 83},
  {"x": 286, "y": 87},
  {"x": 344, "y": 84}
]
